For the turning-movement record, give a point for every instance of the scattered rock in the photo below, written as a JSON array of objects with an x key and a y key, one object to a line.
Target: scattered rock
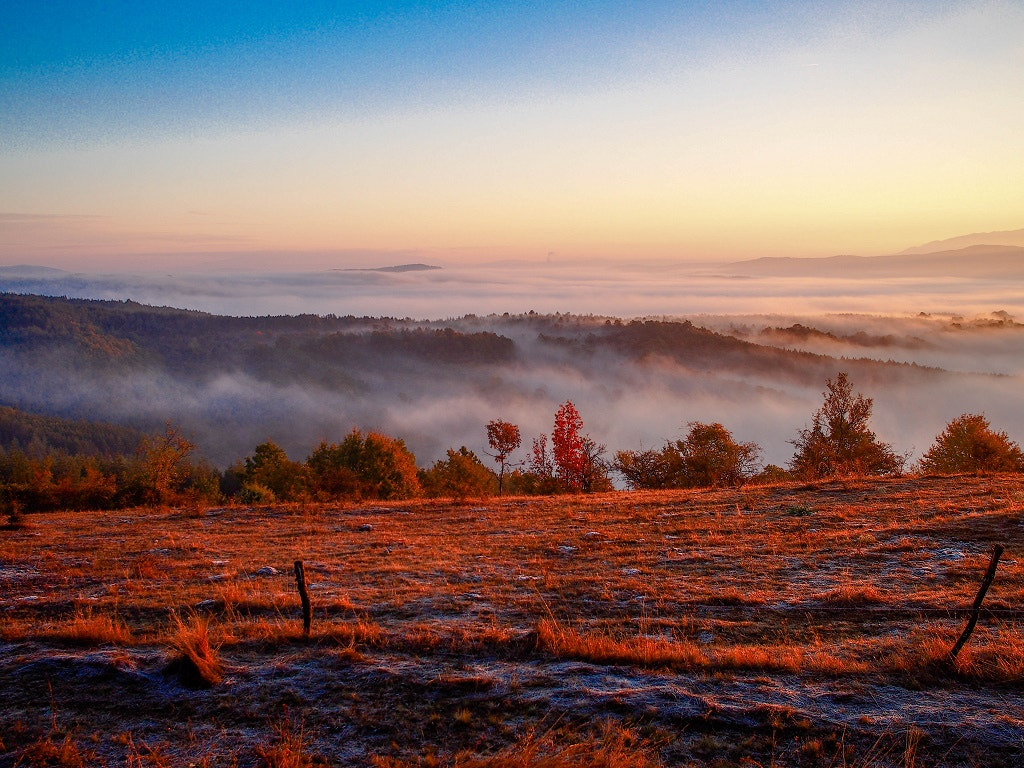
[
  {"x": 365, "y": 527},
  {"x": 267, "y": 570}
]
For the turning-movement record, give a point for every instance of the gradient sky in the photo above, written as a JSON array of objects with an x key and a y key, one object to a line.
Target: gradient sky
[{"x": 163, "y": 135}]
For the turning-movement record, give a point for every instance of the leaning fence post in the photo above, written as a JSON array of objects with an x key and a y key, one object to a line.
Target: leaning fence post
[
  {"x": 307, "y": 611},
  {"x": 990, "y": 574}
]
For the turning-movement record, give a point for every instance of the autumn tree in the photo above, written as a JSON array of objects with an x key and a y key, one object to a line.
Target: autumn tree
[
  {"x": 578, "y": 460},
  {"x": 504, "y": 439},
  {"x": 839, "y": 442},
  {"x": 969, "y": 444},
  {"x": 331, "y": 470},
  {"x": 161, "y": 468}
]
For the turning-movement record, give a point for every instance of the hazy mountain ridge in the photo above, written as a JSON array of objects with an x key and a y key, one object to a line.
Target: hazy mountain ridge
[
  {"x": 1004, "y": 237},
  {"x": 974, "y": 261}
]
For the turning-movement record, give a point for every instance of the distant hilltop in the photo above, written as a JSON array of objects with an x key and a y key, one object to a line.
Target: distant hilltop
[{"x": 397, "y": 268}]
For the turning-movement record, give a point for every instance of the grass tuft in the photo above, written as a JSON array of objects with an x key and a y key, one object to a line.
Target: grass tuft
[{"x": 197, "y": 663}]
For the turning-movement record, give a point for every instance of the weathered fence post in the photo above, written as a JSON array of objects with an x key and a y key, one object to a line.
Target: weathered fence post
[
  {"x": 990, "y": 574},
  {"x": 307, "y": 610}
]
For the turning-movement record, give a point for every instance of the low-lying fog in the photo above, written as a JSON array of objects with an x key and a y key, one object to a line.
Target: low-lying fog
[
  {"x": 625, "y": 404},
  {"x": 600, "y": 288}
]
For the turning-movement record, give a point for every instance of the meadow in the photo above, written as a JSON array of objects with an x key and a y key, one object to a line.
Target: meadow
[{"x": 798, "y": 624}]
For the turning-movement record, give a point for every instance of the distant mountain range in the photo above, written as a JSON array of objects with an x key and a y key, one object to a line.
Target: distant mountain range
[
  {"x": 1006, "y": 237},
  {"x": 974, "y": 261}
]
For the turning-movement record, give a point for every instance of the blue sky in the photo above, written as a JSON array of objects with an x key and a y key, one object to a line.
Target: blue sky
[{"x": 480, "y": 130}]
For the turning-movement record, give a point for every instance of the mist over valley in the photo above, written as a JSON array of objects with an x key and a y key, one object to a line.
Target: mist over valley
[{"x": 234, "y": 382}]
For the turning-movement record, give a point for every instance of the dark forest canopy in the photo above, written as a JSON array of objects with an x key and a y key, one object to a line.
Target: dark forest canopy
[{"x": 37, "y": 435}]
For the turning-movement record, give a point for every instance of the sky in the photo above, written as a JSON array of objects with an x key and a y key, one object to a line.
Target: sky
[{"x": 280, "y": 135}]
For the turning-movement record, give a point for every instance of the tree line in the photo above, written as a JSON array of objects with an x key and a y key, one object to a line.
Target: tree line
[{"x": 163, "y": 469}]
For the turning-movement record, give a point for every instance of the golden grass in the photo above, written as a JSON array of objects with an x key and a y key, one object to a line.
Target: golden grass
[
  {"x": 613, "y": 746},
  {"x": 870, "y": 581},
  {"x": 642, "y": 651},
  {"x": 90, "y": 629}
]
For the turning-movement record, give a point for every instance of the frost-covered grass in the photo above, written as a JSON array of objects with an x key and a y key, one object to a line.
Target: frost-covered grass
[{"x": 771, "y": 625}]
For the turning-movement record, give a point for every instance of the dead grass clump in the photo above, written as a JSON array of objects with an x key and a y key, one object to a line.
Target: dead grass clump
[
  {"x": 992, "y": 656},
  {"x": 778, "y": 658},
  {"x": 613, "y": 746},
  {"x": 197, "y": 664},
  {"x": 854, "y": 596},
  {"x": 65, "y": 753},
  {"x": 642, "y": 651},
  {"x": 272, "y": 631},
  {"x": 288, "y": 749},
  {"x": 658, "y": 652},
  {"x": 92, "y": 629},
  {"x": 362, "y": 632}
]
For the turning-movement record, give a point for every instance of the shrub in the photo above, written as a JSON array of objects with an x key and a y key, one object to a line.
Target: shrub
[
  {"x": 254, "y": 493},
  {"x": 270, "y": 467},
  {"x": 969, "y": 444},
  {"x": 372, "y": 466},
  {"x": 460, "y": 476},
  {"x": 707, "y": 457}
]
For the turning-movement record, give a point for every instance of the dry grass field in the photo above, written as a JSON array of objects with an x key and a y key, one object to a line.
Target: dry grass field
[{"x": 789, "y": 625}]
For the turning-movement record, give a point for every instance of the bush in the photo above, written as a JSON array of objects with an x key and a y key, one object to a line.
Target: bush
[
  {"x": 462, "y": 475},
  {"x": 270, "y": 468},
  {"x": 707, "y": 457},
  {"x": 969, "y": 444},
  {"x": 254, "y": 493}
]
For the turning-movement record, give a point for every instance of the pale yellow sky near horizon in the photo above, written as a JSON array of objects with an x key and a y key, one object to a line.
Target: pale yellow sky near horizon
[{"x": 852, "y": 140}]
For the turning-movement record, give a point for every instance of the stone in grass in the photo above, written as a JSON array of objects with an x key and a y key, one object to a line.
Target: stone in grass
[{"x": 267, "y": 570}]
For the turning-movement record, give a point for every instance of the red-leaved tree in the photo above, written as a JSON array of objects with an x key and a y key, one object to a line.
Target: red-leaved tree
[{"x": 569, "y": 447}]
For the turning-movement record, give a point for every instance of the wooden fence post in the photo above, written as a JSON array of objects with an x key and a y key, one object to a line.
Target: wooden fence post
[
  {"x": 307, "y": 610},
  {"x": 990, "y": 574}
]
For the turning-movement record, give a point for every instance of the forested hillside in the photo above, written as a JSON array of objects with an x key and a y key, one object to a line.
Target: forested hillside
[{"x": 39, "y": 435}]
